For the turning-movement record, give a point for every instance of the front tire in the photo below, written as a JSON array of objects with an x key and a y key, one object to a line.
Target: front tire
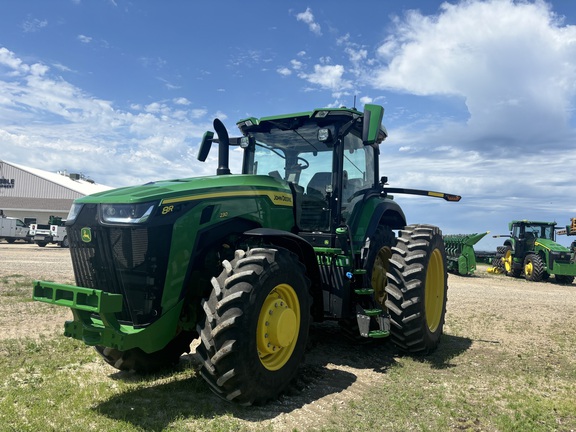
[
  {"x": 417, "y": 289},
  {"x": 533, "y": 268},
  {"x": 564, "y": 280},
  {"x": 256, "y": 327},
  {"x": 136, "y": 360}
]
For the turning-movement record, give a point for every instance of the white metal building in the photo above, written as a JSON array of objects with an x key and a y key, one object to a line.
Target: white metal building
[{"x": 30, "y": 193}]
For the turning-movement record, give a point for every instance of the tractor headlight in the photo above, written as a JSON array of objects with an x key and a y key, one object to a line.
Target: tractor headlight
[
  {"x": 126, "y": 213},
  {"x": 74, "y": 212}
]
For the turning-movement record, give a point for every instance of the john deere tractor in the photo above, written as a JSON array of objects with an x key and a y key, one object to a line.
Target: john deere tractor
[
  {"x": 532, "y": 252},
  {"x": 247, "y": 262}
]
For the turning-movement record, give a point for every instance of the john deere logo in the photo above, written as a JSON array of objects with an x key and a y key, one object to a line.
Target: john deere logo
[{"x": 86, "y": 234}]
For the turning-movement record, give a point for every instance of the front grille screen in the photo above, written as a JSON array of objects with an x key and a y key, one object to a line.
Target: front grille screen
[{"x": 131, "y": 261}]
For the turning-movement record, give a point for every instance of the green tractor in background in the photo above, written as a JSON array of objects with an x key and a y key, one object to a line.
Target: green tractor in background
[
  {"x": 531, "y": 251},
  {"x": 247, "y": 262}
]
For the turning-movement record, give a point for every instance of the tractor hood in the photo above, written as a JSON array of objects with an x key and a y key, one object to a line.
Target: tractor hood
[
  {"x": 188, "y": 189},
  {"x": 551, "y": 245}
]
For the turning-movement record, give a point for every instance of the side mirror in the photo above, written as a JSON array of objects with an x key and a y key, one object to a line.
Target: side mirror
[
  {"x": 373, "y": 115},
  {"x": 205, "y": 146}
]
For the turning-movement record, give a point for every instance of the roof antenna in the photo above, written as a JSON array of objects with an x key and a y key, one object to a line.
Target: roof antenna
[{"x": 354, "y": 101}]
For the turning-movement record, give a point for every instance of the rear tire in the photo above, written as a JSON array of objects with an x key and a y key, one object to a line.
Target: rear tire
[
  {"x": 256, "y": 327},
  {"x": 138, "y": 361},
  {"x": 417, "y": 289},
  {"x": 498, "y": 262},
  {"x": 377, "y": 262},
  {"x": 508, "y": 262}
]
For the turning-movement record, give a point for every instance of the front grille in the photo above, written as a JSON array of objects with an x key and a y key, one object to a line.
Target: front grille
[
  {"x": 561, "y": 257},
  {"x": 130, "y": 260}
]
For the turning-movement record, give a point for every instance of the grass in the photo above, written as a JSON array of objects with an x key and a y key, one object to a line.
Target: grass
[
  {"x": 51, "y": 383},
  {"x": 60, "y": 384},
  {"x": 497, "y": 392},
  {"x": 16, "y": 286}
]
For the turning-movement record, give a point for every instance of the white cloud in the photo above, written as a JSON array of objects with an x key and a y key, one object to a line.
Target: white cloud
[
  {"x": 84, "y": 39},
  {"x": 296, "y": 64},
  {"x": 308, "y": 17},
  {"x": 328, "y": 76},
  {"x": 181, "y": 101},
  {"x": 513, "y": 63},
  {"x": 62, "y": 67},
  {"x": 366, "y": 100},
  {"x": 32, "y": 25},
  {"x": 45, "y": 113},
  {"x": 8, "y": 59},
  {"x": 284, "y": 71}
]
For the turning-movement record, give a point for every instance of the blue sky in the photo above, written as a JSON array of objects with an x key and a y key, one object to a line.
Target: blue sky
[{"x": 479, "y": 95}]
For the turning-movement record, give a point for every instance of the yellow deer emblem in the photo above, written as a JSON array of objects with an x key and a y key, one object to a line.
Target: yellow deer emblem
[{"x": 86, "y": 235}]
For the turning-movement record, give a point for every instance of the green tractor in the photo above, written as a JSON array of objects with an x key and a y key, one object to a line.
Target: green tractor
[
  {"x": 531, "y": 251},
  {"x": 247, "y": 262}
]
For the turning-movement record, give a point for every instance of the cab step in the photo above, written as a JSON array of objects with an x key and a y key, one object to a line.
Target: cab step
[
  {"x": 364, "y": 319},
  {"x": 364, "y": 291},
  {"x": 377, "y": 334},
  {"x": 373, "y": 312}
]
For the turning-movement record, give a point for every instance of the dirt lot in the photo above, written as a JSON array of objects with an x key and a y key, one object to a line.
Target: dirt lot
[{"x": 486, "y": 314}]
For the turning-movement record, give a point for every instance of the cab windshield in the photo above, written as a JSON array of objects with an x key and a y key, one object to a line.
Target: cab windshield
[
  {"x": 535, "y": 231},
  {"x": 297, "y": 156}
]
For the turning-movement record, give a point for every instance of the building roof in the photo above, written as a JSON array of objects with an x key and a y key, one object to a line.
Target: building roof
[{"x": 75, "y": 182}]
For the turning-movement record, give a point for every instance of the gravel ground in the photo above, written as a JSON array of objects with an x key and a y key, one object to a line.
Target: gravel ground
[
  {"x": 505, "y": 313},
  {"x": 49, "y": 263}
]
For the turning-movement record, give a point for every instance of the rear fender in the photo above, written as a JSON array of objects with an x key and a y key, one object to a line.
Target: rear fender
[
  {"x": 510, "y": 243},
  {"x": 372, "y": 212}
]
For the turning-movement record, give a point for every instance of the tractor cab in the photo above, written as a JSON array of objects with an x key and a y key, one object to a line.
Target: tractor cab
[
  {"x": 323, "y": 157},
  {"x": 327, "y": 157},
  {"x": 525, "y": 233}
]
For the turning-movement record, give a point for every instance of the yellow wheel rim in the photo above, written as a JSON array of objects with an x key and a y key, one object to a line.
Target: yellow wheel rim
[
  {"x": 381, "y": 266},
  {"x": 278, "y": 327},
  {"x": 508, "y": 261},
  {"x": 529, "y": 269},
  {"x": 434, "y": 291}
]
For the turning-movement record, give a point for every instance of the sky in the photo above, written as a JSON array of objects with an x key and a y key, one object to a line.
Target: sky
[{"x": 478, "y": 95}]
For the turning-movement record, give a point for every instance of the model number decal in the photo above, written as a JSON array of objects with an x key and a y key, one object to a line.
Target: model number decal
[
  {"x": 224, "y": 214},
  {"x": 167, "y": 209}
]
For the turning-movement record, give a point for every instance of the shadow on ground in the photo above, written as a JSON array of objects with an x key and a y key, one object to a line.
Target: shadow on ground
[{"x": 154, "y": 406}]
